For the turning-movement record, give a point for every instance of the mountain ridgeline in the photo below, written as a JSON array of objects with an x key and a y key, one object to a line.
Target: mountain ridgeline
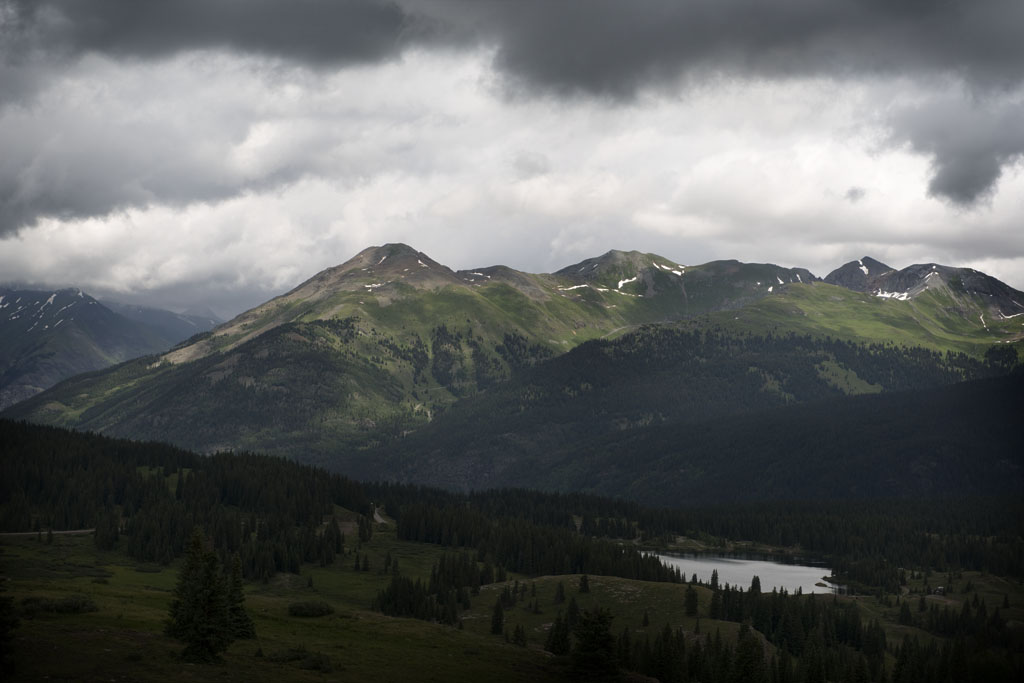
[
  {"x": 48, "y": 336},
  {"x": 366, "y": 365}
]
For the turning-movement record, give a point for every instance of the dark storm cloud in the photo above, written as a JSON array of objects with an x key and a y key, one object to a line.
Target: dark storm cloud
[
  {"x": 311, "y": 31},
  {"x": 610, "y": 47},
  {"x": 601, "y": 48},
  {"x": 970, "y": 143},
  {"x": 613, "y": 49}
]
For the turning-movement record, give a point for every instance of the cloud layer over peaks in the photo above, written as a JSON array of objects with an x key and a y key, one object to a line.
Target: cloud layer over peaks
[{"x": 802, "y": 131}]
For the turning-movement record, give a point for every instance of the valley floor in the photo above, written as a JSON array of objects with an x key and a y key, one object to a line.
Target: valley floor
[{"x": 122, "y": 638}]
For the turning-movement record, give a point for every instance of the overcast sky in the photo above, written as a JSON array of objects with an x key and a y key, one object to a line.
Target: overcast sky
[{"x": 194, "y": 153}]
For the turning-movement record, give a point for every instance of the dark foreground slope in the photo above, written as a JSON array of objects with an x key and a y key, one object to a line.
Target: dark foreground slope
[
  {"x": 933, "y": 440},
  {"x": 415, "y": 590}
]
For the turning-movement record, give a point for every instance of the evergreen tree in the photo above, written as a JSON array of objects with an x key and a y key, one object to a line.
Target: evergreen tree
[
  {"x": 365, "y": 529},
  {"x": 573, "y": 615},
  {"x": 8, "y": 622},
  {"x": 242, "y": 627},
  {"x": 748, "y": 665},
  {"x": 557, "y": 642},
  {"x": 593, "y": 656},
  {"x": 199, "y": 611},
  {"x": 690, "y": 601},
  {"x": 559, "y": 593},
  {"x": 106, "y": 534},
  {"x": 498, "y": 618}
]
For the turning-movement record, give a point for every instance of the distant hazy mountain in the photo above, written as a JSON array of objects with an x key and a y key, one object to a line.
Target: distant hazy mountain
[
  {"x": 379, "y": 346},
  {"x": 175, "y": 327},
  {"x": 48, "y": 336}
]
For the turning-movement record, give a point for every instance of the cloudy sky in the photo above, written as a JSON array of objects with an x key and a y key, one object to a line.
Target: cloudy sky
[{"x": 217, "y": 152}]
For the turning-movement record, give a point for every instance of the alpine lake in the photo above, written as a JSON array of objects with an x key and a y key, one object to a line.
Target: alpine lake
[{"x": 739, "y": 571}]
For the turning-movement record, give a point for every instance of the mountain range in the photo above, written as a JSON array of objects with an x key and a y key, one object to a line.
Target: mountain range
[
  {"x": 353, "y": 366},
  {"x": 48, "y": 336}
]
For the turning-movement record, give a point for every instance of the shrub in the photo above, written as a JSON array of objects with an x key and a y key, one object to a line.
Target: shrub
[
  {"x": 303, "y": 659},
  {"x": 311, "y": 608},
  {"x": 72, "y": 604}
]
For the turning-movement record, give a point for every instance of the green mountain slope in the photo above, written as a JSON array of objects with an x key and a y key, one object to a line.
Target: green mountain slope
[
  {"x": 365, "y": 352},
  {"x": 378, "y": 345},
  {"x": 939, "y": 317}
]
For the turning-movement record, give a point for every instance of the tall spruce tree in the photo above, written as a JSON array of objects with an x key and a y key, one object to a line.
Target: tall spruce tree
[
  {"x": 198, "y": 613},
  {"x": 498, "y": 618},
  {"x": 593, "y": 655},
  {"x": 557, "y": 642},
  {"x": 242, "y": 627},
  {"x": 690, "y": 601}
]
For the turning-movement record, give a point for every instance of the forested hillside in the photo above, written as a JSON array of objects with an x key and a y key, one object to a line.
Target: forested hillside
[
  {"x": 668, "y": 416},
  {"x": 545, "y": 570}
]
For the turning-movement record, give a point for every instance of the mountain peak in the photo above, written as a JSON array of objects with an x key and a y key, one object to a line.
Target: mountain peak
[
  {"x": 861, "y": 275},
  {"x": 963, "y": 285},
  {"x": 379, "y": 267},
  {"x": 616, "y": 262}
]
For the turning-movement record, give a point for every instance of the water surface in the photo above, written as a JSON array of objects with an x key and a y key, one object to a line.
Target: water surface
[{"x": 739, "y": 571}]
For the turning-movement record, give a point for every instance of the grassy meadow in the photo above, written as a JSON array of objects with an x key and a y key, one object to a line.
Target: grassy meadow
[{"x": 122, "y": 638}]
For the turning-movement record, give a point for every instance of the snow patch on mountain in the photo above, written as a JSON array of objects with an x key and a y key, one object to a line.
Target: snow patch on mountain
[{"x": 901, "y": 296}]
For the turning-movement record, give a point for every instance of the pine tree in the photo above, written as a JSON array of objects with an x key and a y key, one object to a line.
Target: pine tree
[
  {"x": 199, "y": 610},
  {"x": 594, "y": 653},
  {"x": 365, "y": 529},
  {"x": 557, "y": 642},
  {"x": 573, "y": 614},
  {"x": 498, "y": 618},
  {"x": 690, "y": 601},
  {"x": 8, "y": 622},
  {"x": 242, "y": 627},
  {"x": 748, "y": 661}
]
